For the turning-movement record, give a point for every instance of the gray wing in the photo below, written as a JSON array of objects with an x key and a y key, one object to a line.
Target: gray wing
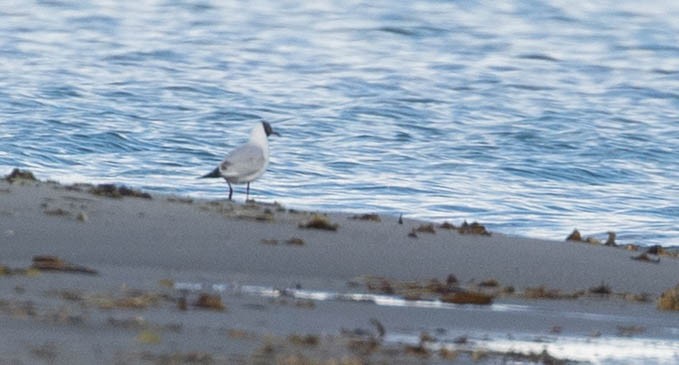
[{"x": 245, "y": 160}]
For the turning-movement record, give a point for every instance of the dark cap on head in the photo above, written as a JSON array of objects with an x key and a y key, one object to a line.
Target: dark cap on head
[{"x": 268, "y": 130}]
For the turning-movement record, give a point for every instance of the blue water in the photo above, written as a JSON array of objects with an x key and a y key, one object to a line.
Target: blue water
[{"x": 533, "y": 117}]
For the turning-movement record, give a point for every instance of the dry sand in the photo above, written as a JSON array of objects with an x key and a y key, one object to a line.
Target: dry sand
[{"x": 155, "y": 257}]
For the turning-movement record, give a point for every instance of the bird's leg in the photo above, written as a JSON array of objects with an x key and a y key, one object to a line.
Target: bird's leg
[
  {"x": 230, "y": 188},
  {"x": 247, "y": 193}
]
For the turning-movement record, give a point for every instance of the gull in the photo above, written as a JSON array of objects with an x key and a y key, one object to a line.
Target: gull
[{"x": 246, "y": 162}]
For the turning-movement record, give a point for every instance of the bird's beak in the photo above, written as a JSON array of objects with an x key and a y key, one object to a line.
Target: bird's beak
[{"x": 275, "y": 133}]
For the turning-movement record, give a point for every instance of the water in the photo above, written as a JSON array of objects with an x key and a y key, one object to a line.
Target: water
[
  {"x": 532, "y": 117},
  {"x": 656, "y": 346}
]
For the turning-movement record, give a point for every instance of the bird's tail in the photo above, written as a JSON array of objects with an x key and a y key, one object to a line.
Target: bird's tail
[{"x": 214, "y": 173}]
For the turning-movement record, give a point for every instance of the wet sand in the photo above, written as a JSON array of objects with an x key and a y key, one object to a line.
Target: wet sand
[{"x": 275, "y": 292}]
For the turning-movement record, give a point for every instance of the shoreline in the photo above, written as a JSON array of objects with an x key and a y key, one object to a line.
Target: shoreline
[
  {"x": 273, "y": 273},
  {"x": 131, "y": 221}
]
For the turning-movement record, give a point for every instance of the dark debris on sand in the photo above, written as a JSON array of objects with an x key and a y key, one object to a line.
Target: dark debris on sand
[
  {"x": 319, "y": 222},
  {"x": 644, "y": 257},
  {"x": 432, "y": 289},
  {"x": 651, "y": 254},
  {"x": 574, "y": 236},
  {"x": 669, "y": 299},
  {"x": 447, "y": 225},
  {"x": 425, "y": 228},
  {"x": 53, "y": 263},
  {"x": 210, "y": 301},
  {"x": 467, "y": 297},
  {"x": 20, "y": 175},
  {"x": 367, "y": 217},
  {"x": 601, "y": 289},
  {"x": 473, "y": 228},
  {"x": 113, "y": 191}
]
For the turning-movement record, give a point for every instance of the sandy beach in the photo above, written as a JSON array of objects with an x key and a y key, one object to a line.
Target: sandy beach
[{"x": 109, "y": 275}]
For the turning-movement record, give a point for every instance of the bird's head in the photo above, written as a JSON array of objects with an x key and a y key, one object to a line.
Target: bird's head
[{"x": 268, "y": 130}]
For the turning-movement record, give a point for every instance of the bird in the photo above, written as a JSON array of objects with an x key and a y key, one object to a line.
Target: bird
[{"x": 246, "y": 162}]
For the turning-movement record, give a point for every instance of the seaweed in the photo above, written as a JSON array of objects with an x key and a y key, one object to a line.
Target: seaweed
[
  {"x": 645, "y": 258},
  {"x": 20, "y": 175},
  {"x": 295, "y": 241},
  {"x": 53, "y": 263},
  {"x": 367, "y": 217},
  {"x": 446, "y": 225},
  {"x": 574, "y": 236},
  {"x": 113, "y": 191},
  {"x": 490, "y": 283},
  {"x": 319, "y": 222},
  {"x": 425, "y": 228},
  {"x": 467, "y": 297},
  {"x": 669, "y": 299},
  {"x": 210, "y": 301},
  {"x": 601, "y": 289},
  {"x": 474, "y": 228}
]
